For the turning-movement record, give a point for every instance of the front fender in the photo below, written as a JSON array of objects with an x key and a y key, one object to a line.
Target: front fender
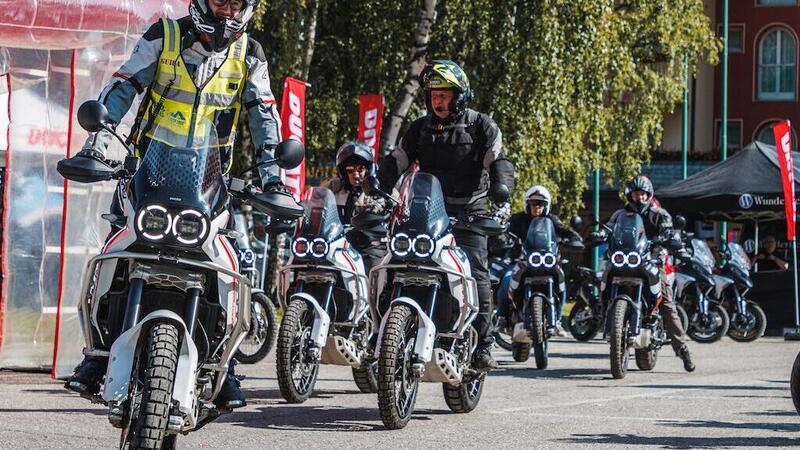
[
  {"x": 123, "y": 352},
  {"x": 426, "y": 330},
  {"x": 322, "y": 321}
]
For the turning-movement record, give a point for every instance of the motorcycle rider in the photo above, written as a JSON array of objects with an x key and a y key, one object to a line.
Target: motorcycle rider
[
  {"x": 464, "y": 150},
  {"x": 200, "y": 66},
  {"x": 657, "y": 223},
  {"x": 537, "y": 204},
  {"x": 354, "y": 163}
]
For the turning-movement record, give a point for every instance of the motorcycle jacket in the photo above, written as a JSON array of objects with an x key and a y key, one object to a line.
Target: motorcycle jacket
[
  {"x": 223, "y": 92},
  {"x": 466, "y": 155},
  {"x": 657, "y": 221},
  {"x": 351, "y": 202},
  {"x": 519, "y": 223}
]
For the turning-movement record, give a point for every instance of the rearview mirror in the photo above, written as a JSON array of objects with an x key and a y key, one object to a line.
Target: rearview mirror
[
  {"x": 93, "y": 116},
  {"x": 500, "y": 193},
  {"x": 679, "y": 222},
  {"x": 576, "y": 222},
  {"x": 289, "y": 154}
]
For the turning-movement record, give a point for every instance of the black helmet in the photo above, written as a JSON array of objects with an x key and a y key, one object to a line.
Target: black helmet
[
  {"x": 639, "y": 183},
  {"x": 353, "y": 153},
  {"x": 220, "y": 31},
  {"x": 445, "y": 74}
]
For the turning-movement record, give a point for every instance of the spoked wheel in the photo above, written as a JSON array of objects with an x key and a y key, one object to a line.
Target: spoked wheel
[
  {"x": 710, "y": 327},
  {"x": 538, "y": 332},
  {"x": 296, "y": 370},
  {"x": 749, "y": 326},
  {"x": 366, "y": 377},
  {"x": 794, "y": 383},
  {"x": 263, "y": 330},
  {"x": 152, "y": 397},
  {"x": 582, "y": 323},
  {"x": 397, "y": 383},
  {"x": 464, "y": 397},
  {"x": 620, "y": 328},
  {"x": 501, "y": 337},
  {"x": 646, "y": 359}
]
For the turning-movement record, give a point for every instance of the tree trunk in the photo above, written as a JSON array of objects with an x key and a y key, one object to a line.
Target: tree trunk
[
  {"x": 410, "y": 86},
  {"x": 304, "y": 60}
]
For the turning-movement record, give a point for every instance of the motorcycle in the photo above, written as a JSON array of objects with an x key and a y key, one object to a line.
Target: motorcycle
[
  {"x": 586, "y": 317},
  {"x": 533, "y": 309},
  {"x": 747, "y": 320},
  {"x": 694, "y": 280},
  {"x": 794, "y": 383},
  {"x": 630, "y": 279},
  {"x": 426, "y": 299},
  {"x": 324, "y": 295},
  {"x": 164, "y": 301}
]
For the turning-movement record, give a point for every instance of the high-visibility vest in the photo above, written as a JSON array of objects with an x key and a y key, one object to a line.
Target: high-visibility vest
[{"x": 187, "y": 109}]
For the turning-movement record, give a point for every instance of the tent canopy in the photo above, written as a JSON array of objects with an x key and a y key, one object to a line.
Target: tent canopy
[{"x": 747, "y": 186}]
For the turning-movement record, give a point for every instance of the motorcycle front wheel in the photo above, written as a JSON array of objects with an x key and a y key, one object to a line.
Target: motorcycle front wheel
[
  {"x": 620, "y": 328},
  {"x": 750, "y": 326},
  {"x": 263, "y": 330},
  {"x": 296, "y": 372},
  {"x": 538, "y": 332},
  {"x": 711, "y": 327},
  {"x": 794, "y": 383},
  {"x": 397, "y": 382},
  {"x": 582, "y": 323}
]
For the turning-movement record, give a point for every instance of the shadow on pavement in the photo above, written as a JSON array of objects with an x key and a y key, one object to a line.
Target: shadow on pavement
[
  {"x": 679, "y": 442},
  {"x": 275, "y": 394},
  {"x": 316, "y": 418},
  {"x": 526, "y": 371},
  {"x": 772, "y": 412},
  {"x": 95, "y": 411},
  {"x": 579, "y": 355},
  {"x": 766, "y": 426},
  {"x": 711, "y": 387}
]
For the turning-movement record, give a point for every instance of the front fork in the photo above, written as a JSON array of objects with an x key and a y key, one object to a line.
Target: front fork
[
  {"x": 741, "y": 303},
  {"x": 702, "y": 300},
  {"x": 550, "y": 307},
  {"x": 636, "y": 310},
  {"x": 133, "y": 308}
]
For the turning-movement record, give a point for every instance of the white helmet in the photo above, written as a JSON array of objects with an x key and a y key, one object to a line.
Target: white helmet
[{"x": 538, "y": 192}]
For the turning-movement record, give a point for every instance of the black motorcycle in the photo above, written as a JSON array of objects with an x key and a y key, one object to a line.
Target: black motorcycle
[
  {"x": 694, "y": 279},
  {"x": 748, "y": 320},
  {"x": 533, "y": 309},
  {"x": 503, "y": 250}
]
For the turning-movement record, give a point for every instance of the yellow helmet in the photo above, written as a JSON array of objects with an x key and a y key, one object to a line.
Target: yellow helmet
[{"x": 445, "y": 74}]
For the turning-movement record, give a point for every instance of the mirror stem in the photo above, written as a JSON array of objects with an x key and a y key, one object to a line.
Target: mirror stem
[{"x": 124, "y": 145}]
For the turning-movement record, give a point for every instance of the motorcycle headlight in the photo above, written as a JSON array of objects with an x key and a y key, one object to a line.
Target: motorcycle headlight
[
  {"x": 535, "y": 259},
  {"x": 190, "y": 227},
  {"x": 634, "y": 259},
  {"x": 400, "y": 244},
  {"x": 618, "y": 259},
  {"x": 423, "y": 246},
  {"x": 154, "y": 222},
  {"x": 549, "y": 260},
  {"x": 319, "y": 248},
  {"x": 300, "y": 247}
]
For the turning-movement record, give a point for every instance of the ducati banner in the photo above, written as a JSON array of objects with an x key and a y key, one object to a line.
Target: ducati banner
[
  {"x": 370, "y": 120},
  {"x": 783, "y": 142},
  {"x": 293, "y": 113}
]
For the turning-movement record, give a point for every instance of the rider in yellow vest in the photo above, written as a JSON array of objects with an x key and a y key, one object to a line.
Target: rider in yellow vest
[{"x": 193, "y": 70}]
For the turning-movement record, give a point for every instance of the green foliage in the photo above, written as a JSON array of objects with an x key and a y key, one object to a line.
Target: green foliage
[{"x": 573, "y": 84}]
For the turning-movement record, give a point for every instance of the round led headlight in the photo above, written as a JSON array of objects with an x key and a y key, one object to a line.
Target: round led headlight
[
  {"x": 400, "y": 244},
  {"x": 618, "y": 259},
  {"x": 301, "y": 247},
  {"x": 190, "y": 227},
  {"x": 634, "y": 259},
  {"x": 154, "y": 222},
  {"x": 319, "y": 248},
  {"x": 423, "y": 246},
  {"x": 549, "y": 260},
  {"x": 535, "y": 259}
]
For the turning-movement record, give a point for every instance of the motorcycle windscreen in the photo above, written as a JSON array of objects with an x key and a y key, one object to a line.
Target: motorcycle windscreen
[
  {"x": 702, "y": 254},
  {"x": 541, "y": 236},
  {"x": 321, "y": 218},
  {"x": 182, "y": 171},
  {"x": 421, "y": 209},
  {"x": 628, "y": 234},
  {"x": 738, "y": 256}
]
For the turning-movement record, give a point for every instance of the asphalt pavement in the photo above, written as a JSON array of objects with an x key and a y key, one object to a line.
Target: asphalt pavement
[{"x": 738, "y": 397}]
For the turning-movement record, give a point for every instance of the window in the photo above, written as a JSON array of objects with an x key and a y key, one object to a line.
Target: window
[
  {"x": 735, "y": 37},
  {"x": 734, "y": 134},
  {"x": 766, "y": 135},
  {"x": 776, "y": 65},
  {"x": 777, "y": 2}
]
